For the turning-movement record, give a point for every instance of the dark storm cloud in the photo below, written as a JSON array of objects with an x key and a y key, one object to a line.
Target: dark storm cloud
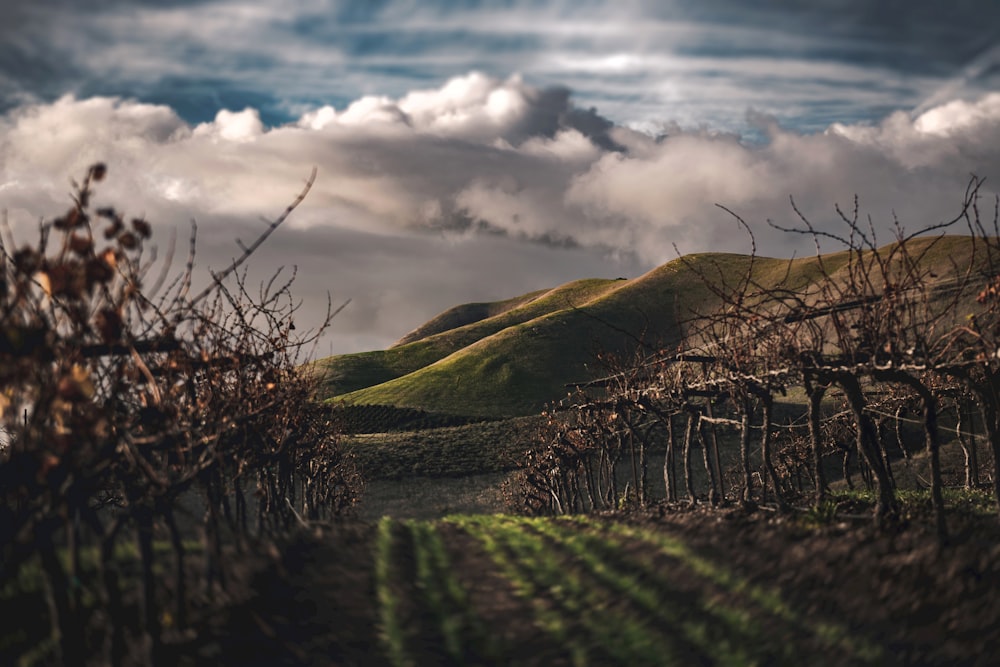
[{"x": 553, "y": 112}]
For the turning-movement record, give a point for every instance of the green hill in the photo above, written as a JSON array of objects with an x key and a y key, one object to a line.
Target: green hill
[
  {"x": 465, "y": 314},
  {"x": 511, "y": 357},
  {"x": 446, "y": 334}
]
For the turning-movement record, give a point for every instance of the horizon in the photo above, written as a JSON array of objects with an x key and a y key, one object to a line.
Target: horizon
[{"x": 472, "y": 152}]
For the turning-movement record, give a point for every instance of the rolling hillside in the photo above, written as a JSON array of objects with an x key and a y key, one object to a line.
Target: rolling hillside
[
  {"x": 511, "y": 357},
  {"x": 467, "y": 313},
  {"x": 446, "y": 334}
]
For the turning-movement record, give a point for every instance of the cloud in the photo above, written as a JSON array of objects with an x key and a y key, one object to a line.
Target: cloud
[
  {"x": 641, "y": 63},
  {"x": 959, "y": 117},
  {"x": 384, "y": 224},
  {"x": 480, "y": 188},
  {"x": 239, "y": 126},
  {"x": 474, "y": 107},
  {"x": 915, "y": 170}
]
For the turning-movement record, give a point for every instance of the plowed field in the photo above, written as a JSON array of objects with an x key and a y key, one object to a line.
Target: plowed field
[{"x": 685, "y": 589}]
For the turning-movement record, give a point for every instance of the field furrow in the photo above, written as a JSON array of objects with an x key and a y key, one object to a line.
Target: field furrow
[
  {"x": 548, "y": 602},
  {"x": 466, "y": 639},
  {"x": 610, "y": 606},
  {"x": 603, "y": 592},
  {"x": 829, "y": 634},
  {"x": 729, "y": 635}
]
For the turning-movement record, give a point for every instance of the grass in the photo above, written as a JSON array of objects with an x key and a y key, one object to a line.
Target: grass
[
  {"x": 514, "y": 362},
  {"x": 502, "y": 547},
  {"x": 595, "y": 590},
  {"x": 604, "y": 559},
  {"x": 445, "y": 597},
  {"x": 835, "y": 635},
  {"x": 468, "y": 314},
  {"x": 917, "y": 502},
  {"x": 524, "y": 365},
  {"x": 601, "y": 589},
  {"x": 343, "y": 374},
  {"x": 391, "y": 629},
  {"x": 509, "y": 372},
  {"x": 466, "y": 639},
  {"x": 422, "y": 606},
  {"x": 455, "y": 451}
]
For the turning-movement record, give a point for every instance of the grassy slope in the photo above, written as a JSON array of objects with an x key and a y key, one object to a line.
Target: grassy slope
[
  {"x": 465, "y": 314},
  {"x": 513, "y": 363},
  {"x": 349, "y": 372},
  {"x": 523, "y": 365}
]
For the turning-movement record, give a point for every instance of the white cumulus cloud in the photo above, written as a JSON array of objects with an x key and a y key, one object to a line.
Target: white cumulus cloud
[{"x": 481, "y": 188}]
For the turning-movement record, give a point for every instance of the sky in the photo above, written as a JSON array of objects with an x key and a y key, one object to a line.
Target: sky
[{"x": 474, "y": 151}]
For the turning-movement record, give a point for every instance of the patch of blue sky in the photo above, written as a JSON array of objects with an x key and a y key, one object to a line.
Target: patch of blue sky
[
  {"x": 718, "y": 56},
  {"x": 196, "y": 100},
  {"x": 405, "y": 75}
]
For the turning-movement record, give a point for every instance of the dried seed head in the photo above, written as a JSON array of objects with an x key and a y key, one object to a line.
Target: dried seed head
[
  {"x": 109, "y": 325},
  {"x": 128, "y": 241},
  {"x": 98, "y": 171},
  {"x": 81, "y": 245},
  {"x": 66, "y": 279},
  {"x": 114, "y": 228},
  {"x": 74, "y": 218},
  {"x": 142, "y": 228},
  {"x": 27, "y": 260},
  {"x": 98, "y": 271}
]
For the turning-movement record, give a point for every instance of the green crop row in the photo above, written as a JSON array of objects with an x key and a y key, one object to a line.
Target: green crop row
[
  {"x": 434, "y": 595},
  {"x": 605, "y": 592},
  {"x": 386, "y": 593},
  {"x": 725, "y": 634},
  {"x": 643, "y": 615},
  {"x": 833, "y": 635},
  {"x": 563, "y": 605}
]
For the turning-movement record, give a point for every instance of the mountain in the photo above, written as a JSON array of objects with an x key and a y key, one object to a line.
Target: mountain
[{"x": 512, "y": 357}]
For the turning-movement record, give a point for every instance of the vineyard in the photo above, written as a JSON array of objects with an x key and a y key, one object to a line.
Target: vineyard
[
  {"x": 151, "y": 429},
  {"x": 172, "y": 493},
  {"x": 864, "y": 337}
]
